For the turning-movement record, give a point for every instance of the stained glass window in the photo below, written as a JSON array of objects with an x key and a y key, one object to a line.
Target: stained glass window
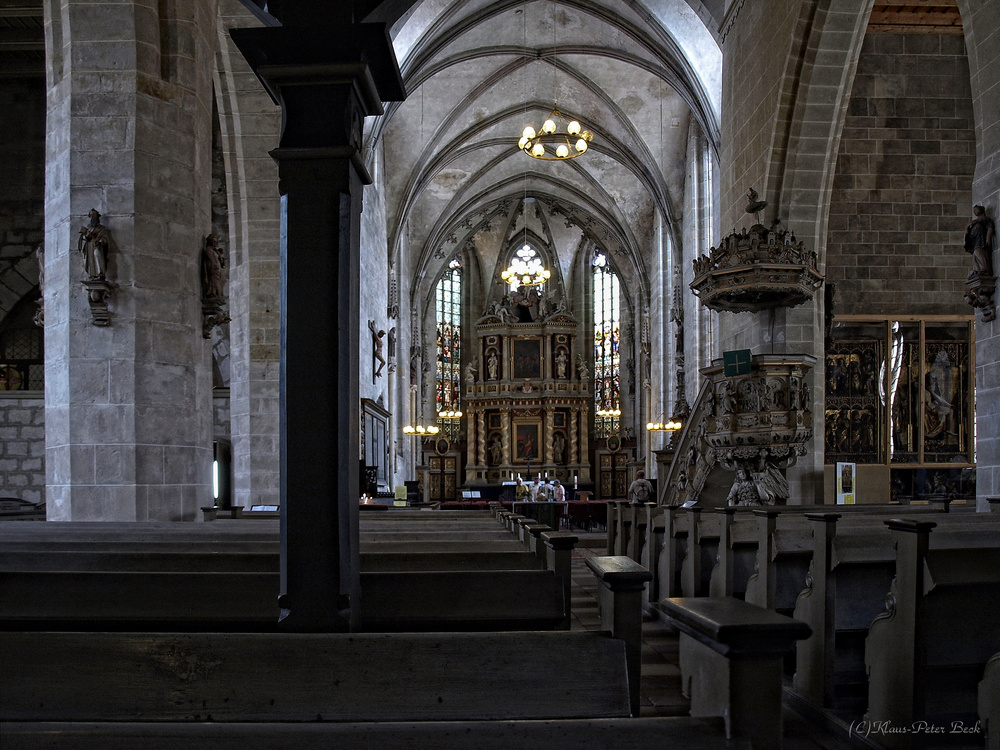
[
  {"x": 607, "y": 359},
  {"x": 448, "y": 304}
]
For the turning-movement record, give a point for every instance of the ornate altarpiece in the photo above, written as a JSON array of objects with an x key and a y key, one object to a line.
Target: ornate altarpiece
[{"x": 527, "y": 406}]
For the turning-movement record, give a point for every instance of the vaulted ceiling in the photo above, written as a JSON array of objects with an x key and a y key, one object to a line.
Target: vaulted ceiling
[{"x": 635, "y": 72}]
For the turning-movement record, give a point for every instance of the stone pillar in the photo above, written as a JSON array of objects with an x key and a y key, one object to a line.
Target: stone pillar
[
  {"x": 481, "y": 437},
  {"x": 254, "y": 275},
  {"x": 470, "y": 443},
  {"x": 550, "y": 415},
  {"x": 311, "y": 65},
  {"x": 584, "y": 440},
  {"x": 128, "y": 405},
  {"x": 979, "y": 22},
  {"x": 505, "y": 434},
  {"x": 574, "y": 425}
]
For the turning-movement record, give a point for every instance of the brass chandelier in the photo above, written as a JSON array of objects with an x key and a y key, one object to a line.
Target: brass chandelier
[
  {"x": 525, "y": 269},
  {"x": 556, "y": 140}
]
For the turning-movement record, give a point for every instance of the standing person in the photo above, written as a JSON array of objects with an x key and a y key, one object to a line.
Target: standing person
[
  {"x": 536, "y": 486},
  {"x": 558, "y": 492},
  {"x": 640, "y": 490},
  {"x": 520, "y": 490}
]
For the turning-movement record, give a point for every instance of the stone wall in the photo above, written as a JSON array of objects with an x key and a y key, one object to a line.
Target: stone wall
[
  {"x": 981, "y": 22},
  {"x": 22, "y": 441},
  {"x": 22, "y": 446},
  {"x": 903, "y": 190}
]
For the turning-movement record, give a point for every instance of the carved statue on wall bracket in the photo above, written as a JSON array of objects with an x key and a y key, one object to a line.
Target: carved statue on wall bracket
[
  {"x": 94, "y": 243},
  {"x": 213, "y": 297},
  {"x": 982, "y": 281}
]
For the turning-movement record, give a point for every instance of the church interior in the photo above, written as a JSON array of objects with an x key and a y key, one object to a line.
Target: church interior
[{"x": 301, "y": 260}]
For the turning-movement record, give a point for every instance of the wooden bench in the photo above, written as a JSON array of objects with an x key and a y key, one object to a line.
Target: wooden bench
[
  {"x": 260, "y": 677},
  {"x": 989, "y": 702},
  {"x": 730, "y": 659},
  {"x": 927, "y": 653},
  {"x": 552, "y": 734},
  {"x": 668, "y": 568},
  {"x": 620, "y": 596},
  {"x": 412, "y": 558},
  {"x": 247, "y": 601},
  {"x": 215, "y": 583},
  {"x": 851, "y": 572}
]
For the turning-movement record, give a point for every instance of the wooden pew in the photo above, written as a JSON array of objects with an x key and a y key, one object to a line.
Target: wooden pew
[
  {"x": 989, "y": 702},
  {"x": 223, "y": 677},
  {"x": 851, "y": 572},
  {"x": 784, "y": 549},
  {"x": 675, "y": 538},
  {"x": 620, "y": 596},
  {"x": 730, "y": 659},
  {"x": 927, "y": 653},
  {"x": 247, "y": 602},
  {"x": 155, "y": 576},
  {"x": 410, "y": 558},
  {"x": 651, "y": 550},
  {"x": 553, "y": 734}
]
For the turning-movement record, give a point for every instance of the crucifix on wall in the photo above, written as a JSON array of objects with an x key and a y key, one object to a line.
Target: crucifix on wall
[{"x": 377, "y": 336}]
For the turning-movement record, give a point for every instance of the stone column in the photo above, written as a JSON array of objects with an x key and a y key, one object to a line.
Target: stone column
[
  {"x": 470, "y": 442},
  {"x": 254, "y": 274},
  {"x": 574, "y": 424},
  {"x": 481, "y": 437},
  {"x": 550, "y": 413},
  {"x": 505, "y": 434},
  {"x": 584, "y": 439},
  {"x": 979, "y": 22},
  {"x": 128, "y": 405},
  {"x": 311, "y": 65}
]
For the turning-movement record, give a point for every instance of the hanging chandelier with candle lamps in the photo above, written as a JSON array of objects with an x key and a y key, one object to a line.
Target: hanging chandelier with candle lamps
[
  {"x": 421, "y": 430},
  {"x": 672, "y": 424},
  {"x": 525, "y": 269},
  {"x": 556, "y": 140}
]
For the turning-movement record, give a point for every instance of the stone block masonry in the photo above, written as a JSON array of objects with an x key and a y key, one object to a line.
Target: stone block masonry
[
  {"x": 902, "y": 193},
  {"x": 22, "y": 441},
  {"x": 22, "y": 447}
]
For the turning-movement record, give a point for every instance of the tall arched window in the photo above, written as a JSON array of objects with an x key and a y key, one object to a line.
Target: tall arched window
[
  {"x": 607, "y": 360},
  {"x": 448, "y": 304}
]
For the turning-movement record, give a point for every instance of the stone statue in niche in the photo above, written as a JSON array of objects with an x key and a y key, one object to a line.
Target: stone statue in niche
[
  {"x": 470, "y": 371},
  {"x": 94, "y": 243},
  {"x": 559, "y": 448},
  {"x": 981, "y": 283},
  {"x": 213, "y": 260},
  {"x": 581, "y": 368},
  {"x": 40, "y": 312},
  {"x": 562, "y": 361},
  {"x": 492, "y": 365},
  {"x": 496, "y": 451},
  {"x": 377, "y": 335}
]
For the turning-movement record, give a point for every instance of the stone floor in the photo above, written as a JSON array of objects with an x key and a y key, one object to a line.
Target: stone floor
[{"x": 660, "y": 684}]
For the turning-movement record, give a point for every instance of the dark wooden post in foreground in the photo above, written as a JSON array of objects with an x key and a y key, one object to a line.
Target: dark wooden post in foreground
[{"x": 328, "y": 73}]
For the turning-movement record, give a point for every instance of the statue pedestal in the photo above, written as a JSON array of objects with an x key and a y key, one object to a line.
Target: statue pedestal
[
  {"x": 979, "y": 294},
  {"x": 98, "y": 291}
]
